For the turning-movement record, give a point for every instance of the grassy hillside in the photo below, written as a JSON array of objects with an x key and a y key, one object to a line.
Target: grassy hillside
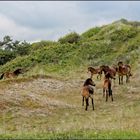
[
  {"x": 100, "y": 45},
  {"x": 46, "y": 107},
  {"x": 46, "y": 102}
]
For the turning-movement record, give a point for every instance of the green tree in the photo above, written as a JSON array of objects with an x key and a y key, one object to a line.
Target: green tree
[{"x": 22, "y": 48}]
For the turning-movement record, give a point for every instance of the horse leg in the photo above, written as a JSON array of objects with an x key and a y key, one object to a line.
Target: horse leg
[
  {"x": 111, "y": 95},
  {"x": 127, "y": 78},
  {"x": 87, "y": 104},
  {"x": 106, "y": 95},
  {"x": 121, "y": 79},
  {"x": 92, "y": 103},
  {"x": 83, "y": 101}
]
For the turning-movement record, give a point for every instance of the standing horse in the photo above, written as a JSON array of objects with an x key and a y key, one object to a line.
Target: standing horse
[
  {"x": 11, "y": 74},
  {"x": 123, "y": 70},
  {"x": 106, "y": 69},
  {"x": 95, "y": 71},
  {"x": 87, "y": 92},
  {"x": 107, "y": 91}
]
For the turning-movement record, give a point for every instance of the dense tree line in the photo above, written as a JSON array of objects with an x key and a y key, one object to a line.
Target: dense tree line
[{"x": 10, "y": 49}]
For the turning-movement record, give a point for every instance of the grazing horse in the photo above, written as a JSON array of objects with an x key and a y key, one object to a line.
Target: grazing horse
[
  {"x": 95, "y": 71},
  {"x": 106, "y": 69},
  {"x": 107, "y": 91},
  {"x": 87, "y": 92},
  {"x": 11, "y": 74},
  {"x": 123, "y": 69}
]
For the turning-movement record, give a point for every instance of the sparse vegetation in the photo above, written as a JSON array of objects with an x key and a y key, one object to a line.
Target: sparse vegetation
[{"x": 45, "y": 102}]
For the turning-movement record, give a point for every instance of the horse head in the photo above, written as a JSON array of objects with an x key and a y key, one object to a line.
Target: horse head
[
  {"x": 89, "y": 81},
  {"x": 104, "y": 68},
  {"x": 120, "y": 63},
  {"x": 90, "y": 69}
]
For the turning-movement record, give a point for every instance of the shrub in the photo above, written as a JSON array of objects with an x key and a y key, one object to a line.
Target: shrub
[{"x": 70, "y": 38}]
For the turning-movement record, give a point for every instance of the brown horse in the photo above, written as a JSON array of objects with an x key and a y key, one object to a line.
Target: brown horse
[
  {"x": 11, "y": 74},
  {"x": 123, "y": 69},
  {"x": 87, "y": 92},
  {"x": 106, "y": 69},
  {"x": 107, "y": 91},
  {"x": 95, "y": 71}
]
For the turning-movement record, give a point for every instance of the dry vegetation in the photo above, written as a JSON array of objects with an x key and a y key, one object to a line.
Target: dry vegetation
[{"x": 47, "y": 105}]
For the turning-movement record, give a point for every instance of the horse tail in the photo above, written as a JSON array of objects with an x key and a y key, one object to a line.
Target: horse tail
[
  {"x": 1, "y": 77},
  {"x": 109, "y": 89}
]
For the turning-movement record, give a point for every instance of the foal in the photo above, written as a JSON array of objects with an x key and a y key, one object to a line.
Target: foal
[
  {"x": 87, "y": 92},
  {"x": 107, "y": 91}
]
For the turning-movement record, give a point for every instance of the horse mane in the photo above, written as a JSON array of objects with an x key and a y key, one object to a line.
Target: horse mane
[
  {"x": 87, "y": 82},
  {"x": 91, "y": 68}
]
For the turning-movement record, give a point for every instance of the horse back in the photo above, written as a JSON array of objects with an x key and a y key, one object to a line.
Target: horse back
[
  {"x": 9, "y": 75},
  {"x": 112, "y": 71},
  {"x": 124, "y": 70}
]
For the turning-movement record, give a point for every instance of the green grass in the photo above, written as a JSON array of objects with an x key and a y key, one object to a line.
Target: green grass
[
  {"x": 82, "y": 134},
  {"x": 100, "y": 45}
]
